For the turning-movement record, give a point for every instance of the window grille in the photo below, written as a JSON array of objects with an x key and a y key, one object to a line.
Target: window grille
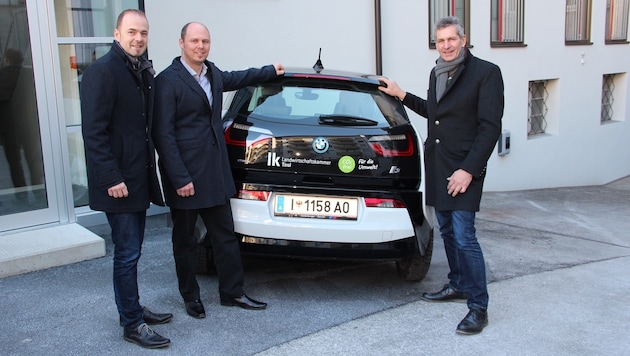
[
  {"x": 508, "y": 21},
  {"x": 617, "y": 20},
  {"x": 578, "y": 21},
  {"x": 608, "y": 88},
  {"x": 536, "y": 121}
]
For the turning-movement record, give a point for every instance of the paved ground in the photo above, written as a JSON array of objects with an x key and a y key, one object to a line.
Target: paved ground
[{"x": 557, "y": 265}]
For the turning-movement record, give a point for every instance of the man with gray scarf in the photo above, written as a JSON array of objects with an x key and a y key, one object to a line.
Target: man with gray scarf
[{"x": 464, "y": 107}]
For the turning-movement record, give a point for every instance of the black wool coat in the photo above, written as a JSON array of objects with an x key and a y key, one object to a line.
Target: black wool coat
[
  {"x": 463, "y": 129},
  {"x": 189, "y": 133},
  {"x": 116, "y": 123}
]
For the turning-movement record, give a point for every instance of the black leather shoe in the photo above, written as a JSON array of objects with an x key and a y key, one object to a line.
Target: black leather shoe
[
  {"x": 474, "y": 322},
  {"x": 244, "y": 302},
  {"x": 144, "y": 336},
  {"x": 446, "y": 294},
  {"x": 195, "y": 309},
  {"x": 152, "y": 318}
]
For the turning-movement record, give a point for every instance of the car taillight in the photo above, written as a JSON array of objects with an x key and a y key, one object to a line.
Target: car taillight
[
  {"x": 244, "y": 135},
  {"x": 233, "y": 141},
  {"x": 392, "y": 145},
  {"x": 259, "y": 195},
  {"x": 383, "y": 203}
]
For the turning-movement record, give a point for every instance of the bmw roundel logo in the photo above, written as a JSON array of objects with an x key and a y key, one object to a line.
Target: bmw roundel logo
[{"x": 320, "y": 145}]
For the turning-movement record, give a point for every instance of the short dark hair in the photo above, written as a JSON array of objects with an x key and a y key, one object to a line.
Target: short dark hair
[
  {"x": 13, "y": 56},
  {"x": 129, "y": 11},
  {"x": 185, "y": 29},
  {"x": 451, "y": 21}
]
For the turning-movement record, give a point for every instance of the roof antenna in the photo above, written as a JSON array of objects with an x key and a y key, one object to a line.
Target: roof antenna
[{"x": 318, "y": 65}]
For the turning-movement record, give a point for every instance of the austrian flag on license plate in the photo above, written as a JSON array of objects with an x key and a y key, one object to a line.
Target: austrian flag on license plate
[{"x": 323, "y": 207}]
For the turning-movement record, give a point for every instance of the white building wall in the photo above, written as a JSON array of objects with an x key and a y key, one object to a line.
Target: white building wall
[
  {"x": 577, "y": 150},
  {"x": 246, "y": 33}
]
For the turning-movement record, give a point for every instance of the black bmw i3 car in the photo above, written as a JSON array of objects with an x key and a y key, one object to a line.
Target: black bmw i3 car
[{"x": 327, "y": 166}]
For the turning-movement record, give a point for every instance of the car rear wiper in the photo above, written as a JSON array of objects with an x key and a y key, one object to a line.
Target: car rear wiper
[{"x": 345, "y": 120}]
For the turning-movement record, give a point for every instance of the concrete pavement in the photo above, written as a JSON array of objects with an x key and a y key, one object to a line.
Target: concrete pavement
[
  {"x": 557, "y": 264},
  {"x": 581, "y": 310},
  {"x": 582, "y": 307}
]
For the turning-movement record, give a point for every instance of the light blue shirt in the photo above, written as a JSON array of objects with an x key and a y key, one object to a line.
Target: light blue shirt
[{"x": 202, "y": 79}]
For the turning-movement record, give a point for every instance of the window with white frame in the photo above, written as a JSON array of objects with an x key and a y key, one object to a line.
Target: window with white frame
[
  {"x": 537, "y": 107},
  {"x": 508, "y": 22},
  {"x": 439, "y": 9},
  {"x": 578, "y": 22},
  {"x": 617, "y": 21},
  {"x": 84, "y": 33}
]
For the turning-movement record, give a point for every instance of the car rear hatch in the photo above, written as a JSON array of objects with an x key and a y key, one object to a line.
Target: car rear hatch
[{"x": 321, "y": 131}]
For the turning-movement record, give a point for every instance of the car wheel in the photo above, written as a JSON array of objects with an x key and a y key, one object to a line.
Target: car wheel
[
  {"x": 204, "y": 254},
  {"x": 415, "y": 268}
]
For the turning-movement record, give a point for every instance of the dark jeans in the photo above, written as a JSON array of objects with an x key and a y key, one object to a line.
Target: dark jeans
[
  {"x": 127, "y": 236},
  {"x": 225, "y": 246},
  {"x": 465, "y": 258}
]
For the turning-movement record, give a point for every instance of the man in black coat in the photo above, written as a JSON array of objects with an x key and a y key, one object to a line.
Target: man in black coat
[
  {"x": 196, "y": 175},
  {"x": 117, "y": 93},
  {"x": 464, "y": 107}
]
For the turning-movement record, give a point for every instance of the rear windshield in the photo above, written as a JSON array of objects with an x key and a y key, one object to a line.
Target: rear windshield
[{"x": 295, "y": 101}]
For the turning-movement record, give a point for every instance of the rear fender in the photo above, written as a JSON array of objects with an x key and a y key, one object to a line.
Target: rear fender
[
  {"x": 429, "y": 211},
  {"x": 423, "y": 231}
]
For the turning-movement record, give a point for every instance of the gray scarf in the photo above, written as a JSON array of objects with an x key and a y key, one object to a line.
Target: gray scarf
[
  {"x": 138, "y": 63},
  {"x": 442, "y": 70}
]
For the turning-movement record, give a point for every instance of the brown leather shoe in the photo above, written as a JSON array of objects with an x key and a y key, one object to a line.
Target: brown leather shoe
[{"x": 446, "y": 294}]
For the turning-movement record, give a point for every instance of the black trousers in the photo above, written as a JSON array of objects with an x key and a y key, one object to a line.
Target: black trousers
[{"x": 227, "y": 253}]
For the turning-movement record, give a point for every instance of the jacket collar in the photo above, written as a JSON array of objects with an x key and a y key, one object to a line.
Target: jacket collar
[
  {"x": 188, "y": 79},
  {"x": 143, "y": 62}
]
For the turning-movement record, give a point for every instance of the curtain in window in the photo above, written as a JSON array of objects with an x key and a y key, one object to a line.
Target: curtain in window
[
  {"x": 577, "y": 16},
  {"x": 617, "y": 20},
  {"x": 444, "y": 8}
]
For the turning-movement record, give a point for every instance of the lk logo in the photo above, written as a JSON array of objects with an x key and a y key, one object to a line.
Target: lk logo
[{"x": 273, "y": 160}]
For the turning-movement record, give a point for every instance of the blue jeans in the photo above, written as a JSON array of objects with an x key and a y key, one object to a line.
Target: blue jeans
[
  {"x": 127, "y": 236},
  {"x": 465, "y": 259}
]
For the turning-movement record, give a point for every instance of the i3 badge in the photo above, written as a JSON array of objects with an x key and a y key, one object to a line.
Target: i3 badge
[{"x": 320, "y": 145}]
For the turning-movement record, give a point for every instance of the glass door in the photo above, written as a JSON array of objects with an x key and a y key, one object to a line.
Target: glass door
[
  {"x": 27, "y": 193},
  {"x": 85, "y": 31}
]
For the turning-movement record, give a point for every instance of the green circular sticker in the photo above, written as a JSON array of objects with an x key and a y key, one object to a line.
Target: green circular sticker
[{"x": 346, "y": 164}]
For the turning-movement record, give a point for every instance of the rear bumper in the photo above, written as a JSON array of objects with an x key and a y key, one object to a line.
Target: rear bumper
[
  {"x": 379, "y": 233},
  {"x": 394, "y": 250},
  {"x": 374, "y": 225}
]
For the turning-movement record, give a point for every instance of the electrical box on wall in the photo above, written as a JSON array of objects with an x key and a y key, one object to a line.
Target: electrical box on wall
[{"x": 504, "y": 143}]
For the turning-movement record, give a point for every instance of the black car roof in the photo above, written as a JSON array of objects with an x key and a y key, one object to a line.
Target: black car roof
[{"x": 298, "y": 72}]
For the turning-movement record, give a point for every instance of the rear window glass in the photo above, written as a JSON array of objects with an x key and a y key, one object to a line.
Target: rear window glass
[{"x": 291, "y": 101}]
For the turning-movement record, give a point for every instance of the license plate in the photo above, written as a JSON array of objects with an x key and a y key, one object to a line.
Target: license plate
[{"x": 323, "y": 207}]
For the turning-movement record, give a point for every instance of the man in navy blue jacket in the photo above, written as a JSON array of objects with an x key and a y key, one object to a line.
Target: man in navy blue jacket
[
  {"x": 196, "y": 175},
  {"x": 116, "y": 108},
  {"x": 464, "y": 107}
]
